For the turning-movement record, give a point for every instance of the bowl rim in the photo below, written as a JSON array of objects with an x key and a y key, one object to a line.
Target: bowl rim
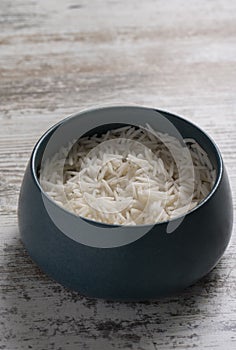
[{"x": 38, "y": 144}]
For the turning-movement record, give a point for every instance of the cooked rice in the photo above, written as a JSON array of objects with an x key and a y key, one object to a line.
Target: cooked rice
[{"x": 129, "y": 176}]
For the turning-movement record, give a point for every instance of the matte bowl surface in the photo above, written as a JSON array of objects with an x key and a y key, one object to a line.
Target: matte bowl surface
[{"x": 123, "y": 262}]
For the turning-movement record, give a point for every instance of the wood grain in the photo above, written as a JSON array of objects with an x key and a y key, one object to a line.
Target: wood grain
[{"x": 59, "y": 57}]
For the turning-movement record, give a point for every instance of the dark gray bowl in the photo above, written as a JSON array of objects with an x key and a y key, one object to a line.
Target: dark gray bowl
[{"x": 123, "y": 262}]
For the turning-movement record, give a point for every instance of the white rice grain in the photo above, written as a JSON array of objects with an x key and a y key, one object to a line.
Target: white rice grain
[{"x": 129, "y": 176}]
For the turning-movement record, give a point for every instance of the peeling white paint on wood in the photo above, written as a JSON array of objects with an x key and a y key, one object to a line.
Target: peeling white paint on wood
[{"x": 58, "y": 57}]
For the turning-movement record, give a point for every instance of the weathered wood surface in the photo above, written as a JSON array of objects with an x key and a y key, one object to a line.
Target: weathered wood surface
[{"x": 58, "y": 57}]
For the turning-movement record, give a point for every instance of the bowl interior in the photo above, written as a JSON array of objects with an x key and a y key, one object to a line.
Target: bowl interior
[{"x": 101, "y": 120}]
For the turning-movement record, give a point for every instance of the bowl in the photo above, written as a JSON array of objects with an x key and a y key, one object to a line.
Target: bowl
[{"x": 123, "y": 262}]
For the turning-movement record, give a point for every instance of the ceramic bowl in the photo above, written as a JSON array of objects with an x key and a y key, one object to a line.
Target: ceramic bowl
[{"x": 123, "y": 262}]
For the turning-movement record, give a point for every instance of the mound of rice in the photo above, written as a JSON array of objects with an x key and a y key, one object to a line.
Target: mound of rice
[{"x": 128, "y": 176}]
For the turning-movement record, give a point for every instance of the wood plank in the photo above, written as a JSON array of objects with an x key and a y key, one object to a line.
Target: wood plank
[{"x": 59, "y": 57}]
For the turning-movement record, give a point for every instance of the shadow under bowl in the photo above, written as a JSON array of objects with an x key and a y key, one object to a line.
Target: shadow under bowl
[{"x": 123, "y": 262}]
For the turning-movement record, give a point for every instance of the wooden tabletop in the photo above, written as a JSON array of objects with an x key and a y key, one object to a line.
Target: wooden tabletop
[{"x": 59, "y": 57}]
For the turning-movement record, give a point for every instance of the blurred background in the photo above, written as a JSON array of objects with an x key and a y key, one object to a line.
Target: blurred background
[{"x": 65, "y": 55}]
